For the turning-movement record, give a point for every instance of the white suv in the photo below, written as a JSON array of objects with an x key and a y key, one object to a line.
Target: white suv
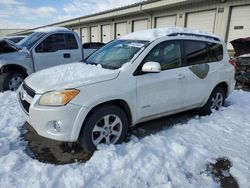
[{"x": 139, "y": 77}]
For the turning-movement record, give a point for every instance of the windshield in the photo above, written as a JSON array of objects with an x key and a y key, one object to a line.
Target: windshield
[
  {"x": 29, "y": 41},
  {"x": 116, "y": 53}
]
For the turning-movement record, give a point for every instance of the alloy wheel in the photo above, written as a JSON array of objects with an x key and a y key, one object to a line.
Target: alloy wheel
[{"x": 107, "y": 130}]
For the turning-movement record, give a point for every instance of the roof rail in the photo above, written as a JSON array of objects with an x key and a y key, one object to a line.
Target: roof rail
[{"x": 195, "y": 35}]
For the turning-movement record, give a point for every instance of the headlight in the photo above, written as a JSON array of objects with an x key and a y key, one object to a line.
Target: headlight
[{"x": 58, "y": 98}]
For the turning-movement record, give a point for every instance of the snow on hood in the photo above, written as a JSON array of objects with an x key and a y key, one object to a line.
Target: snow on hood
[
  {"x": 153, "y": 34},
  {"x": 69, "y": 76}
]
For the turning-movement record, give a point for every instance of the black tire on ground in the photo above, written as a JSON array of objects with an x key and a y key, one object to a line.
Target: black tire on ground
[
  {"x": 206, "y": 109},
  {"x": 87, "y": 134},
  {"x": 6, "y": 77}
]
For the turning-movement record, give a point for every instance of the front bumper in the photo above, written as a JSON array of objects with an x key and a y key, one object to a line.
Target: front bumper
[{"x": 57, "y": 123}]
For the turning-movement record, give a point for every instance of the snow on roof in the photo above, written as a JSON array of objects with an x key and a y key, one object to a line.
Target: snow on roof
[
  {"x": 153, "y": 34},
  {"x": 50, "y": 29}
]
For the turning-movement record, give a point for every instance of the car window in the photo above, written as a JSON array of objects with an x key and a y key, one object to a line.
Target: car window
[
  {"x": 71, "y": 41},
  {"x": 216, "y": 52},
  {"x": 86, "y": 45},
  {"x": 116, "y": 53},
  {"x": 93, "y": 45},
  {"x": 168, "y": 54},
  {"x": 196, "y": 52},
  {"x": 53, "y": 43}
]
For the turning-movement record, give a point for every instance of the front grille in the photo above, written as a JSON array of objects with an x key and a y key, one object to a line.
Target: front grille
[
  {"x": 25, "y": 104},
  {"x": 23, "y": 100},
  {"x": 30, "y": 91}
]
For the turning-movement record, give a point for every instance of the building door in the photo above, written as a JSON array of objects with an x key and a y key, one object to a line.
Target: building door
[
  {"x": 203, "y": 20},
  {"x": 106, "y": 33},
  {"x": 140, "y": 25},
  {"x": 120, "y": 29},
  {"x": 165, "y": 21},
  {"x": 239, "y": 24},
  {"x": 93, "y": 34}
]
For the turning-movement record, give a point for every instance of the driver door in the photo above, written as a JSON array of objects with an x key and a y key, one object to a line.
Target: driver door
[
  {"x": 164, "y": 92},
  {"x": 53, "y": 51}
]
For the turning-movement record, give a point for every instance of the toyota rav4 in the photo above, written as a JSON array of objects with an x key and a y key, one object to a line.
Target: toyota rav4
[{"x": 139, "y": 77}]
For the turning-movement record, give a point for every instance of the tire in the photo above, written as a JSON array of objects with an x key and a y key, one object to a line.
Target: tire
[
  {"x": 95, "y": 131},
  {"x": 10, "y": 80},
  {"x": 212, "y": 103}
]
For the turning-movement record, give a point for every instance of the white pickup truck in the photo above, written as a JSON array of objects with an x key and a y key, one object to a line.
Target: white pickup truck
[{"x": 44, "y": 48}]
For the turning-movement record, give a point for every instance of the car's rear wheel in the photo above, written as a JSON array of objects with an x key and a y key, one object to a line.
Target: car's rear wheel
[
  {"x": 215, "y": 101},
  {"x": 106, "y": 124},
  {"x": 11, "y": 80}
]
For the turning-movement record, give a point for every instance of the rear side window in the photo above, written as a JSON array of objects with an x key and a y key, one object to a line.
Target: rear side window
[
  {"x": 196, "y": 52},
  {"x": 71, "y": 41},
  {"x": 216, "y": 52}
]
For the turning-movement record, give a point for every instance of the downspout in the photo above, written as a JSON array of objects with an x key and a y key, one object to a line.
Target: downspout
[{"x": 147, "y": 14}]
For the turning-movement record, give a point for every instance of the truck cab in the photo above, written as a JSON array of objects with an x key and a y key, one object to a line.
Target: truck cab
[{"x": 46, "y": 47}]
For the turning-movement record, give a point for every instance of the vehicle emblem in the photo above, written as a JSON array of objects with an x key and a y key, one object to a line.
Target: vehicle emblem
[{"x": 23, "y": 94}]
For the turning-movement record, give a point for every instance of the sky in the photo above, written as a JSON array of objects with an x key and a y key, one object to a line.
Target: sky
[{"x": 34, "y": 13}]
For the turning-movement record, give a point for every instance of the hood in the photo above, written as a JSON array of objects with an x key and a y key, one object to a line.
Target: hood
[
  {"x": 7, "y": 46},
  {"x": 241, "y": 46},
  {"x": 68, "y": 76}
]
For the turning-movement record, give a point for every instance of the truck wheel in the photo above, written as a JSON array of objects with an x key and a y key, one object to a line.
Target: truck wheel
[
  {"x": 215, "y": 101},
  {"x": 107, "y": 124},
  {"x": 10, "y": 80}
]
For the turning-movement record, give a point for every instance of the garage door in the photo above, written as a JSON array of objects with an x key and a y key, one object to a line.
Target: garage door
[
  {"x": 85, "y": 36},
  {"x": 239, "y": 23},
  {"x": 77, "y": 31},
  {"x": 166, "y": 21},
  {"x": 106, "y": 33},
  {"x": 140, "y": 25},
  {"x": 201, "y": 20},
  {"x": 120, "y": 29},
  {"x": 93, "y": 34}
]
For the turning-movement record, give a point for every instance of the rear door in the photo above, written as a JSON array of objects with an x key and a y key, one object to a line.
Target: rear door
[
  {"x": 56, "y": 49},
  {"x": 159, "y": 93},
  {"x": 203, "y": 60}
]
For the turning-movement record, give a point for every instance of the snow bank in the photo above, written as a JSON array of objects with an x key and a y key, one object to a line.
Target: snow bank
[
  {"x": 153, "y": 34},
  {"x": 175, "y": 157}
]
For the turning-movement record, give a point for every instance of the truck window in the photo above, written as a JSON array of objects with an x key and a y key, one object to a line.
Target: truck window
[
  {"x": 196, "y": 52},
  {"x": 71, "y": 41},
  {"x": 53, "y": 43}
]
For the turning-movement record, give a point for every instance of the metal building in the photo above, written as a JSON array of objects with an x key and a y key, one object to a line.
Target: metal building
[
  {"x": 6, "y": 32},
  {"x": 226, "y": 18}
]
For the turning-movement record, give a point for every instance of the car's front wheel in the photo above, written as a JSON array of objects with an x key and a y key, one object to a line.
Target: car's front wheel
[
  {"x": 106, "y": 124},
  {"x": 215, "y": 101}
]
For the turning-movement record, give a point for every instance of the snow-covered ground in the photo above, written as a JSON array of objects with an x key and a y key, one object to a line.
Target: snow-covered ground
[{"x": 175, "y": 157}]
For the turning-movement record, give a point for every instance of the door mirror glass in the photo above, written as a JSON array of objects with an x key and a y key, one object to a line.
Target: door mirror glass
[{"x": 151, "y": 67}]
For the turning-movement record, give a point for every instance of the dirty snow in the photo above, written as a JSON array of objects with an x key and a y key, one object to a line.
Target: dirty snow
[
  {"x": 153, "y": 34},
  {"x": 174, "y": 157}
]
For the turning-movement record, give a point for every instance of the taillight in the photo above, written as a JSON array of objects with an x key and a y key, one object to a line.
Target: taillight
[{"x": 232, "y": 62}]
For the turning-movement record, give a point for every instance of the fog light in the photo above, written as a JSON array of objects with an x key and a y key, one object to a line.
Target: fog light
[{"x": 56, "y": 126}]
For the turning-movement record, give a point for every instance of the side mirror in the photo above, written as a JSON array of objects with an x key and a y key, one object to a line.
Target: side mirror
[{"x": 151, "y": 67}]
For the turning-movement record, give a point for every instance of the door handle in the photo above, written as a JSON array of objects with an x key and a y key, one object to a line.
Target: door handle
[
  {"x": 66, "y": 55},
  {"x": 181, "y": 76}
]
